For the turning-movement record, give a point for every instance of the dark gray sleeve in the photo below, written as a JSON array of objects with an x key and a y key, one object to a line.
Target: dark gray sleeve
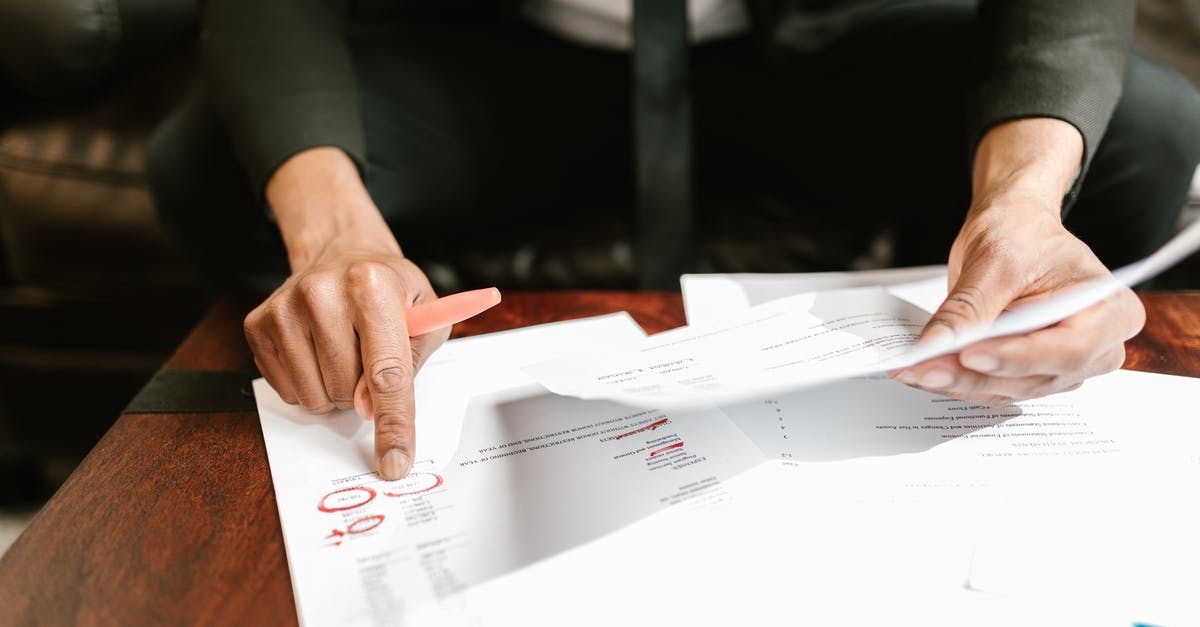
[
  {"x": 1061, "y": 59},
  {"x": 281, "y": 77}
]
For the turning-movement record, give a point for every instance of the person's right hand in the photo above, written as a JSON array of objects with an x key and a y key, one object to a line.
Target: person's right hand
[{"x": 334, "y": 335}]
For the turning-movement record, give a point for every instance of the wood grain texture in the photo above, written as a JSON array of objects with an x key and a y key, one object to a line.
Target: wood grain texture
[
  {"x": 172, "y": 518},
  {"x": 217, "y": 342},
  {"x": 1170, "y": 342},
  {"x": 655, "y": 311}
]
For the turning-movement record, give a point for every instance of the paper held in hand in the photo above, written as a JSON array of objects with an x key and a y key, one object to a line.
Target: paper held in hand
[{"x": 810, "y": 339}]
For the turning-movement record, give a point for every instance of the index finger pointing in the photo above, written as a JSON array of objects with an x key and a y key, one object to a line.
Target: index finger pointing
[{"x": 387, "y": 364}]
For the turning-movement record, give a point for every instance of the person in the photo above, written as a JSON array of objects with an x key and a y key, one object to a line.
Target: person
[{"x": 978, "y": 127}]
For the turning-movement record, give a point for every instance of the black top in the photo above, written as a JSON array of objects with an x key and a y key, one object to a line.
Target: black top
[{"x": 281, "y": 76}]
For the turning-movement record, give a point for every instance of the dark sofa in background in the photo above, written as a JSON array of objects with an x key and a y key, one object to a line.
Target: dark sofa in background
[{"x": 94, "y": 294}]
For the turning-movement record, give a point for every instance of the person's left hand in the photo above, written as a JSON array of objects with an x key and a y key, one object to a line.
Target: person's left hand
[{"x": 1014, "y": 250}]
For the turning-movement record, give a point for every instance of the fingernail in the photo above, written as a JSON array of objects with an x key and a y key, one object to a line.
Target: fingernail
[
  {"x": 394, "y": 465},
  {"x": 937, "y": 379},
  {"x": 937, "y": 334},
  {"x": 980, "y": 362},
  {"x": 905, "y": 376}
]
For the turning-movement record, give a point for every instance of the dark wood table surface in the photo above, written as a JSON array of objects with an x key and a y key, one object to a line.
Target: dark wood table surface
[{"x": 171, "y": 519}]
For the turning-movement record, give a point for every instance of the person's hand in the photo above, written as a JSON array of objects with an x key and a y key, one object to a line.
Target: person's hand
[
  {"x": 334, "y": 335},
  {"x": 1003, "y": 257},
  {"x": 1013, "y": 249}
]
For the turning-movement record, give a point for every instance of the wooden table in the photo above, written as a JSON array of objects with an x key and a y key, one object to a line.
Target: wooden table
[{"x": 171, "y": 519}]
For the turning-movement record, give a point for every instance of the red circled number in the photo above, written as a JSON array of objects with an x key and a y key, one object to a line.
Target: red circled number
[
  {"x": 362, "y": 525},
  {"x": 324, "y": 506},
  {"x": 414, "y": 483}
]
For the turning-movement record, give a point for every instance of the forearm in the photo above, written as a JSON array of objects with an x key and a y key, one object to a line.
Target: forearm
[
  {"x": 1060, "y": 59},
  {"x": 282, "y": 78},
  {"x": 318, "y": 197},
  {"x": 1032, "y": 159}
]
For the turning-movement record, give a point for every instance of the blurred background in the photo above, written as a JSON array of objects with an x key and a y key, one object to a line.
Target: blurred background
[{"x": 94, "y": 295}]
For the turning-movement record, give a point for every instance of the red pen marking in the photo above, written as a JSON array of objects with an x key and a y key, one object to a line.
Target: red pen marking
[
  {"x": 341, "y": 508},
  {"x": 434, "y": 481},
  {"x": 357, "y": 526},
  {"x": 371, "y": 523},
  {"x": 666, "y": 448},
  {"x": 650, "y": 427}
]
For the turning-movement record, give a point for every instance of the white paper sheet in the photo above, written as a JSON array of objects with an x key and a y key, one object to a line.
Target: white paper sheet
[
  {"x": 709, "y": 299},
  {"x": 506, "y": 476},
  {"x": 1129, "y": 545},
  {"x": 785, "y": 344},
  {"x": 712, "y": 298},
  {"x": 808, "y": 339},
  {"x": 860, "y": 515},
  {"x": 1113, "y": 547},
  {"x": 1073, "y": 509},
  {"x": 868, "y": 417}
]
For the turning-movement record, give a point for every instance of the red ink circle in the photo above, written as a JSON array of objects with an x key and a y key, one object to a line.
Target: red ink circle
[
  {"x": 419, "y": 479},
  {"x": 325, "y": 508},
  {"x": 375, "y": 521}
]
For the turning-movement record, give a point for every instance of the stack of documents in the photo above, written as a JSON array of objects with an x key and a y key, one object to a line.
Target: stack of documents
[
  {"x": 730, "y": 351},
  {"x": 675, "y": 495}
]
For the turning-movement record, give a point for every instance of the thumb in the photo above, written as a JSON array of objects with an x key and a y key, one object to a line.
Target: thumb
[
  {"x": 977, "y": 297},
  {"x": 362, "y": 400}
]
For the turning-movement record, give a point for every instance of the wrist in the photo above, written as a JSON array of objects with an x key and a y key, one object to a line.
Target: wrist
[
  {"x": 1030, "y": 163},
  {"x": 318, "y": 199}
]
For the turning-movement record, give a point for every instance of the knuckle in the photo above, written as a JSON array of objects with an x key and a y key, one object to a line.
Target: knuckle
[
  {"x": 314, "y": 289},
  {"x": 390, "y": 374},
  {"x": 368, "y": 276},
  {"x": 254, "y": 322},
  {"x": 394, "y": 432},
  {"x": 315, "y": 404},
  {"x": 277, "y": 314},
  {"x": 342, "y": 404},
  {"x": 254, "y": 333},
  {"x": 394, "y": 429},
  {"x": 963, "y": 304},
  {"x": 341, "y": 395}
]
